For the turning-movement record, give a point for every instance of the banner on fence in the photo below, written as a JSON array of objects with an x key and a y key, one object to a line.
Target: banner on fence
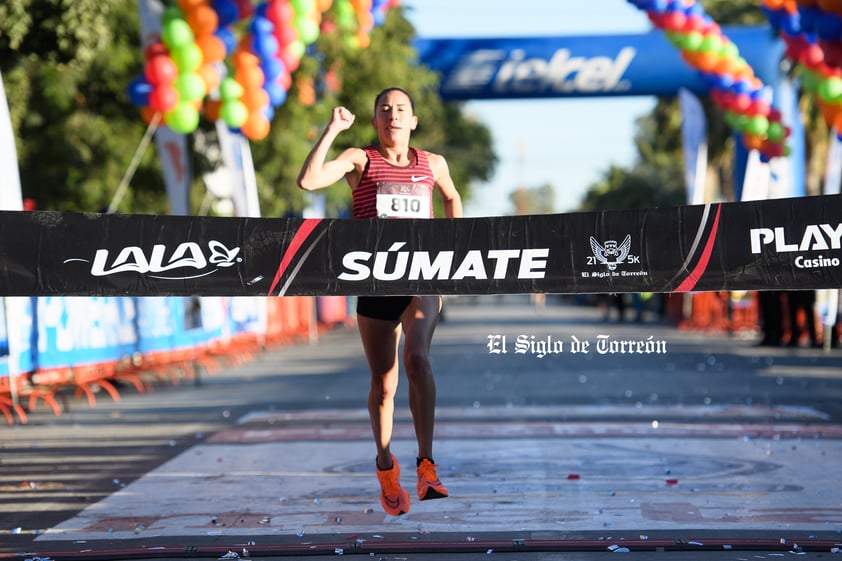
[{"x": 781, "y": 244}]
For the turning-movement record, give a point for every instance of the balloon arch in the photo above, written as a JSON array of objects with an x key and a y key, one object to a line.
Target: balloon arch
[{"x": 199, "y": 64}]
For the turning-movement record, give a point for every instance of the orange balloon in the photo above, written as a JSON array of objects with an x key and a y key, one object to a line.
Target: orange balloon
[
  {"x": 366, "y": 21},
  {"x": 726, "y": 66},
  {"x": 212, "y": 107},
  {"x": 242, "y": 57},
  {"x": 752, "y": 142},
  {"x": 255, "y": 99},
  {"x": 212, "y": 47},
  {"x": 210, "y": 75},
  {"x": 830, "y": 112},
  {"x": 202, "y": 19},
  {"x": 147, "y": 113},
  {"x": 834, "y": 6},
  {"x": 250, "y": 76},
  {"x": 187, "y": 5},
  {"x": 836, "y": 122},
  {"x": 306, "y": 92},
  {"x": 690, "y": 58},
  {"x": 363, "y": 39},
  {"x": 707, "y": 61},
  {"x": 256, "y": 126}
]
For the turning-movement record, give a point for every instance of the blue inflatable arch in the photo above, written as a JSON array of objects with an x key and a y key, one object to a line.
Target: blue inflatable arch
[{"x": 604, "y": 65}]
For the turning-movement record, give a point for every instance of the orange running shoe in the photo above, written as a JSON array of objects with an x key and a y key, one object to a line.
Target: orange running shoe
[
  {"x": 429, "y": 486},
  {"x": 393, "y": 497}
]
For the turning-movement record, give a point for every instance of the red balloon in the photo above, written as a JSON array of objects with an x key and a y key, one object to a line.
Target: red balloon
[
  {"x": 160, "y": 69},
  {"x": 163, "y": 98},
  {"x": 812, "y": 56},
  {"x": 285, "y": 33},
  {"x": 154, "y": 50},
  {"x": 674, "y": 21},
  {"x": 758, "y": 107},
  {"x": 280, "y": 13},
  {"x": 741, "y": 103},
  {"x": 694, "y": 23}
]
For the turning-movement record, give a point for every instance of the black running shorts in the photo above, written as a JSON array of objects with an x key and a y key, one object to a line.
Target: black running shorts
[{"x": 387, "y": 308}]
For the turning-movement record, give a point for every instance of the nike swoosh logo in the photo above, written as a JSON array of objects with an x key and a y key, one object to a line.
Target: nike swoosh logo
[{"x": 415, "y": 178}]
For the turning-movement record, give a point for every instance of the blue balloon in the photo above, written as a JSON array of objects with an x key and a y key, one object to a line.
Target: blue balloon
[
  {"x": 379, "y": 17},
  {"x": 138, "y": 91},
  {"x": 272, "y": 68},
  {"x": 791, "y": 25},
  {"x": 829, "y": 27},
  {"x": 725, "y": 82},
  {"x": 226, "y": 35},
  {"x": 675, "y": 6},
  {"x": 260, "y": 25},
  {"x": 808, "y": 17},
  {"x": 711, "y": 79},
  {"x": 265, "y": 45},
  {"x": 659, "y": 6},
  {"x": 695, "y": 9},
  {"x": 277, "y": 94},
  {"x": 741, "y": 87},
  {"x": 227, "y": 12}
]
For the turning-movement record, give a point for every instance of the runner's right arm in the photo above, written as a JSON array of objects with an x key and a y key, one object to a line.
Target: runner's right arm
[{"x": 318, "y": 172}]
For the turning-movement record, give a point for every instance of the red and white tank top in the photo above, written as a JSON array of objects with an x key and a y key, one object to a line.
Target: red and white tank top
[{"x": 388, "y": 191}]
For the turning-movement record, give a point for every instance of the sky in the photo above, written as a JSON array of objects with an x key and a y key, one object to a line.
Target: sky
[{"x": 567, "y": 143}]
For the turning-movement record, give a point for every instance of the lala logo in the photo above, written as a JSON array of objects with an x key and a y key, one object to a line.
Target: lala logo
[{"x": 187, "y": 255}]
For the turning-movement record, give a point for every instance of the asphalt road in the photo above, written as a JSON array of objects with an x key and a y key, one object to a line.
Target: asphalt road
[{"x": 584, "y": 439}]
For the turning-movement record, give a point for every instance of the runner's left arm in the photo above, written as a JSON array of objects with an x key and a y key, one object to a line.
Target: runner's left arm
[{"x": 444, "y": 184}]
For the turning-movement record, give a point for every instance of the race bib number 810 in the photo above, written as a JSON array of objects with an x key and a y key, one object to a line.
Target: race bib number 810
[{"x": 403, "y": 201}]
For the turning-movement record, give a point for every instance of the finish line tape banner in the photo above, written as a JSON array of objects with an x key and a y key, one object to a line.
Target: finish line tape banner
[{"x": 760, "y": 245}]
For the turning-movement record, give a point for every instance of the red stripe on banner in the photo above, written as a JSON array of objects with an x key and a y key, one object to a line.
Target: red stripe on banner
[
  {"x": 297, "y": 241},
  {"x": 697, "y": 272}
]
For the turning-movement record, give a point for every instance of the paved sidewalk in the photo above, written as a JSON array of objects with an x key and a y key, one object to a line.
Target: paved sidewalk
[{"x": 712, "y": 449}]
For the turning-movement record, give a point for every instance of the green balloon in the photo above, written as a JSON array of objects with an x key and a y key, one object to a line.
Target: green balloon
[
  {"x": 176, "y": 33},
  {"x": 757, "y": 125},
  {"x": 830, "y": 89},
  {"x": 775, "y": 133},
  {"x": 297, "y": 48},
  {"x": 810, "y": 80},
  {"x": 187, "y": 57},
  {"x": 230, "y": 89},
  {"x": 234, "y": 113},
  {"x": 189, "y": 87},
  {"x": 711, "y": 44},
  {"x": 302, "y": 7},
  {"x": 731, "y": 119},
  {"x": 183, "y": 118},
  {"x": 675, "y": 38},
  {"x": 308, "y": 30},
  {"x": 693, "y": 41},
  {"x": 729, "y": 50},
  {"x": 171, "y": 13}
]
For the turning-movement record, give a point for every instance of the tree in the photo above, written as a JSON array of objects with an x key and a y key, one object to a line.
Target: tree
[{"x": 66, "y": 65}]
